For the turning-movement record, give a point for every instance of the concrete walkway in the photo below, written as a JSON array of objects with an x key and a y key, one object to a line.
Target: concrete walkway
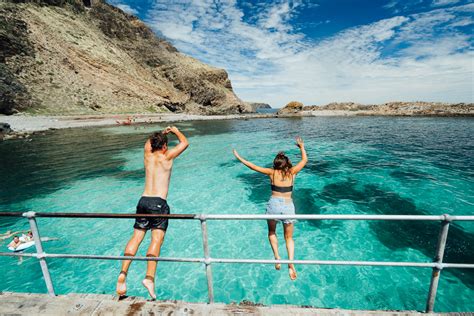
[{"x": 98, "y": 304}]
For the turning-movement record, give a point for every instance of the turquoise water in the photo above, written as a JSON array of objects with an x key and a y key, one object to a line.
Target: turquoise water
[{"x": 357, "y": 166}]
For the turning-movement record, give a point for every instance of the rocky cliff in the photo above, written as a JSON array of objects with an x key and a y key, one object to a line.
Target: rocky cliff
[
  {"x": 389, "y": 109},
  {"x": 64, "y": 57}
]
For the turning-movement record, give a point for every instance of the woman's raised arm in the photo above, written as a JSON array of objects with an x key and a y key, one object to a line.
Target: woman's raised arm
[
  {"x": 304, "y": 157},
  {"x": 252, "y": 166}
]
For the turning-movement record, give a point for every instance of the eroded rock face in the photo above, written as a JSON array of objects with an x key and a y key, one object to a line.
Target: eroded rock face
[
  {"x": 59, "y": 57},
  {"x": 291, "y": 108},
  {"x": 398, "y": 108}
]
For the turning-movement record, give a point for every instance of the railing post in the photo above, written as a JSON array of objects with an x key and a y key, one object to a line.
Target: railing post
[
  {"x": 40, "y": 252},
  {"x": 443, "y": 236},
  {"x": 207, "y": 260}
]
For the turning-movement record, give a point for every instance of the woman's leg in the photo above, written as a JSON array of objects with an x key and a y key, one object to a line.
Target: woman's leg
[
  {"x": 130, "y": 250},
  {"x": 290, "y": 247},
  {"x": 157, "y": 237},
  {"x": 272, "y": 237}
]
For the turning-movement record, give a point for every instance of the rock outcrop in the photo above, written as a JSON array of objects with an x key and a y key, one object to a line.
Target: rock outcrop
[
  {"x": 293, "y": 107},
  {"x": 62, "y": 57},
  {"x": 387, "y": 109},
  {"x": 4, "y": 129},
  {"x": 258, "y": 105}
]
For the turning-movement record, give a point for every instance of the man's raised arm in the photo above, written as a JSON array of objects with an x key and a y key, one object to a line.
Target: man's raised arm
[{"x": 183, "y": 142}]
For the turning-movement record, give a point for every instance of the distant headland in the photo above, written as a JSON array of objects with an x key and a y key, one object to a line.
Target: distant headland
[{"x": 417, "y": 108}]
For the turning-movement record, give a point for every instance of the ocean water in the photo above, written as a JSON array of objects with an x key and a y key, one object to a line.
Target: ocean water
[{"x": 357, "y": 165}]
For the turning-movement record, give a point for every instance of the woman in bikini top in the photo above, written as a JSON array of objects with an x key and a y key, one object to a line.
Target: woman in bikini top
[{"x": 282, "y": 177}]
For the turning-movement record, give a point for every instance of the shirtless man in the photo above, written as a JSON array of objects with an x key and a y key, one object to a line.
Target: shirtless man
[{"x": 158, "y": 164}]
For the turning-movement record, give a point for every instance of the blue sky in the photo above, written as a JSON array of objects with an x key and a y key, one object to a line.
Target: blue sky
[{"x": 320, "y": 51}]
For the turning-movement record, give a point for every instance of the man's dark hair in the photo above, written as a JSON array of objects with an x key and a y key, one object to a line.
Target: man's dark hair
[
  {"x": 158, "y": 140},
  {"x": 16, "y": 236}
]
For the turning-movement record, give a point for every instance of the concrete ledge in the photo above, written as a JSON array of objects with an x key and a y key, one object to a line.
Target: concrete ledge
[{"x": 99, "y": 304}]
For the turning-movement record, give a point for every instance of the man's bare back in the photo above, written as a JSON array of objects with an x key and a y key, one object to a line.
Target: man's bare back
[
  {"x": 158, "y": 165},
  {"x": 157, "y": 173}
]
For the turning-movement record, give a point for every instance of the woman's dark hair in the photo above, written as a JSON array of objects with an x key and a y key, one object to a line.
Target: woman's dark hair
[
  {"x": 282, "y": 163},
  {"x": 158, "y": 140}
]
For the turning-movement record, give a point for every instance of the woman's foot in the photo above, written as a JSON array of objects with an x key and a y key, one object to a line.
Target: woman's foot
[
  {"x": 121, "y": 286},
  {"x": 292, "y": 272},
  {"x": 149, "y": 284},
  {"x": 277, "y": 265}
]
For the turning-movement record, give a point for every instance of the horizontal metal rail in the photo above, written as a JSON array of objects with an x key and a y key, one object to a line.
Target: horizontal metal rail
[
  {"x": 248, "y": 261},
  {"x": 437, "y": 265},
  {"x": 444, "y": 217}
]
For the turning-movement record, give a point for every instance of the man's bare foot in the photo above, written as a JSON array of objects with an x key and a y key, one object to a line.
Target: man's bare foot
[
  {"x": 121, "y": 286},
  {"x": 292, "y": 272},
  {"x": 150, "y": 286},
  {"x": 277, "y": 265}
]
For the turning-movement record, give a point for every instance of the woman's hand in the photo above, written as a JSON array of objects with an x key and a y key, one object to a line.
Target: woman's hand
[
  {"x": 236, "y": 154},
  {"x": 299, "y": 142}
]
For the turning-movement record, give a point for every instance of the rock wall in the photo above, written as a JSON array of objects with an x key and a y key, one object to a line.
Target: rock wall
[{"x": 61, "y": 57}]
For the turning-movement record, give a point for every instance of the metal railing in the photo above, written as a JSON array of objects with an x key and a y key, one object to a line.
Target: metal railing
[{"x": 437, "y": 265}]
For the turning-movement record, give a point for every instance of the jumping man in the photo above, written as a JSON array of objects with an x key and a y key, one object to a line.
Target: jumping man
[{"x": 158, "y": 164}]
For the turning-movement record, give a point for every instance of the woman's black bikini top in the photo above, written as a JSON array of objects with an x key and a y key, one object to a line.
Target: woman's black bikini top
[{"x": 277, "y": 188}]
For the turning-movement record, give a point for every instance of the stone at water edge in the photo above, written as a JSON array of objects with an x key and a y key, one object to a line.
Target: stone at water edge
[
  {"x": 292, "y": 107},
  {"x": 5, "y": 129}
]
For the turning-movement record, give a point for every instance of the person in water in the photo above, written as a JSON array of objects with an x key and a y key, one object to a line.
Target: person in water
[
  {"x": 28, "y": 236},
  {"x": 158, "y": 160},
  {"x": 282, "y": 177},
  {"x": 15, "y": 242}
]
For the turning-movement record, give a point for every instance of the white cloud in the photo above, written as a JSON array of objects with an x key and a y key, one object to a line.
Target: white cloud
[
  {"x": 438, "y": 3},
  {"x": 123, "y": 6},
  {"x": 126, "y": 8},
  {"x": 418, "y": 57}
]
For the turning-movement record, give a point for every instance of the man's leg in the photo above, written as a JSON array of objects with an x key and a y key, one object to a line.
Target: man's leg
[
  {"x": 273, "y": 240},
  {"x": 290, "y": 247},
  {"x": 130, "y": 250},
  {"x": 157, "y": 237}
]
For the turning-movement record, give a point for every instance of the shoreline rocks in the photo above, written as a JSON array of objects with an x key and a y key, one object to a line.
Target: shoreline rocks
[
  {"x": 292, "y": 108},
  {"x": 417, "y": 108}
]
